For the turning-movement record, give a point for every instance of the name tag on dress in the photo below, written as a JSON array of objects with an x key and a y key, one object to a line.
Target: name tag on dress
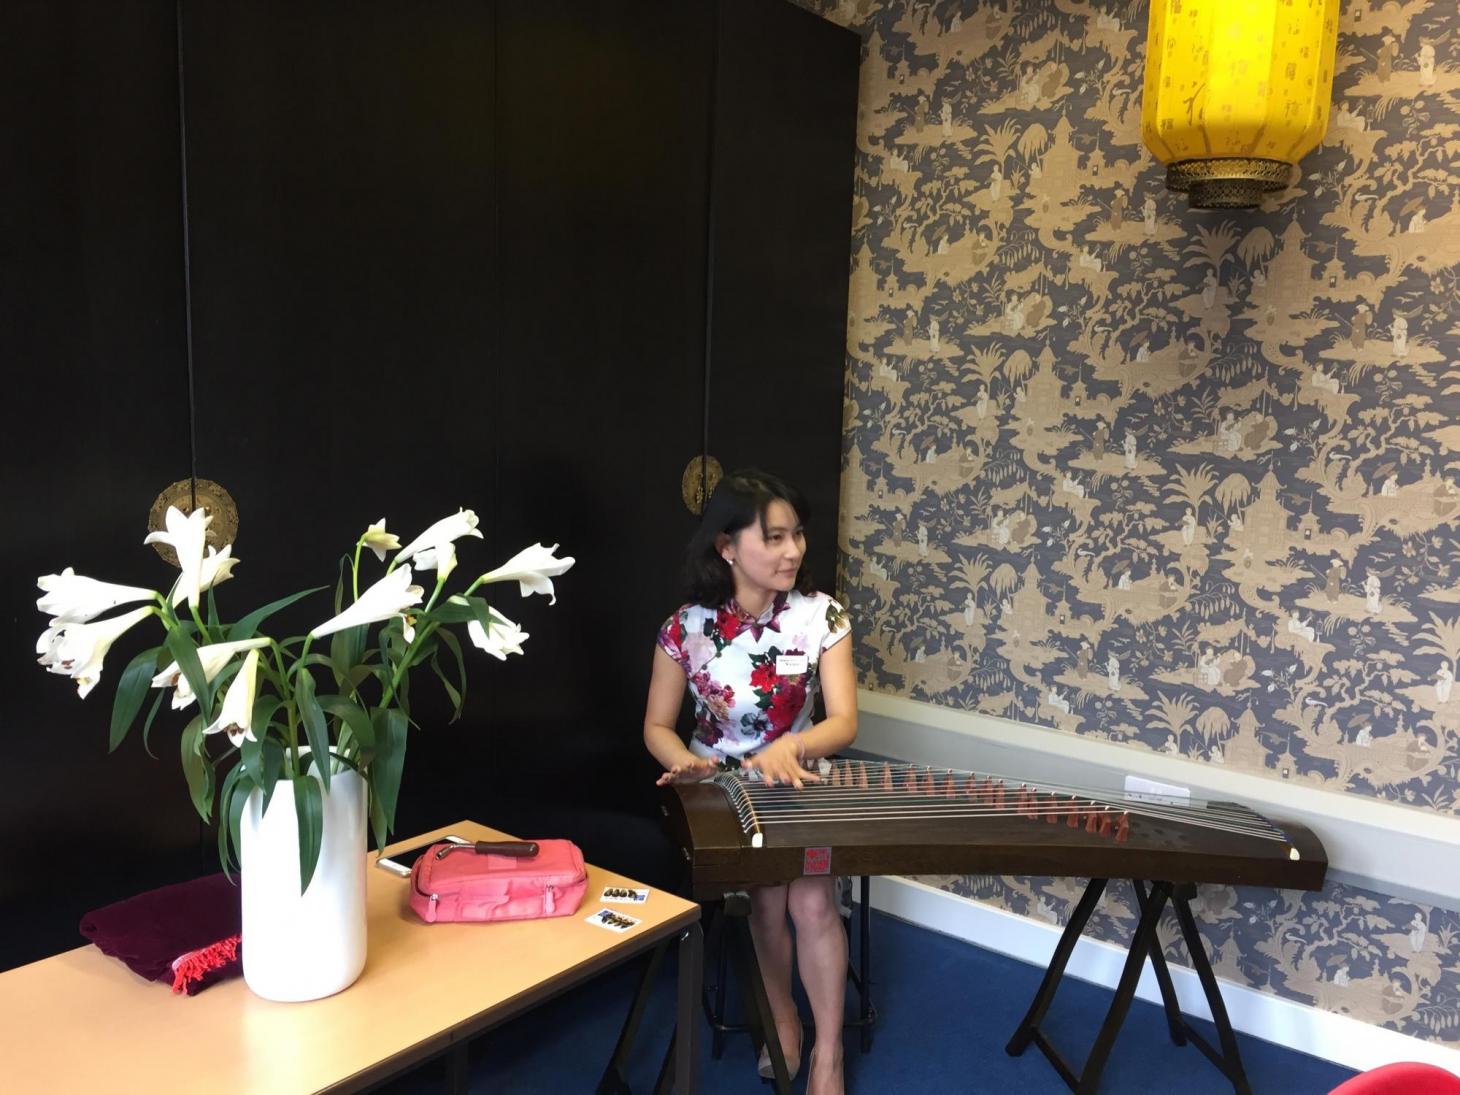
[{"x": 790, "y": 665}]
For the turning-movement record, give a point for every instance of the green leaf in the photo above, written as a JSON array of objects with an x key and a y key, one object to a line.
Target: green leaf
[
  {"x": 378, "y": 825},
  {"x": 460, "y": 610},
  {"x": 264, "y": 710},
  {"x": 273, "y": 760},
  {"x": 225, "y": 807},
  {"x": 131, "y": 690},
  {"x": 235, "y": 819},
  {"x": 246, "y": 627},
  {"x": 147, "y": 724},
  {"x": 251, "y": 752},
  {"x": 390, "y": 759},
  {"x": 452, "y": 644},
  {"x": 345, "y": 647},
  {"x": 340, "y": 585},
  {"x": 314, "y": 725},
  {"x": 450, "y": 691},
  {"x": 185, "y": 652},
  {"x": 197, "y": 768},
  {"x": 355, "y": 718},
  {"x": 309, "y": 808},
  {"x": 348, "y": 763}
]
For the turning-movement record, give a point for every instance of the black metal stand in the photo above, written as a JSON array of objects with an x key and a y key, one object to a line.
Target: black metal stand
[
  {"x": 731, "y": 941},
  {"x": 677, "y": 1071},
  {"x": 1144, "y": 944}
]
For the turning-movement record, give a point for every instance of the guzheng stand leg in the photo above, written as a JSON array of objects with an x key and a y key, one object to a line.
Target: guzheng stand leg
[
  {"x": 715, "y": 1014},
  {"x": 862, "y": 974},
  {"x": 1174, "y": 1022},
  {"x": 1228, "y": 1060},
  {"x": 1028, "y": 1030},
  {"x": 1125, "y": 991},
  {"x": 1144, "y": 944},
  {"x": 757, "y": 1005}
]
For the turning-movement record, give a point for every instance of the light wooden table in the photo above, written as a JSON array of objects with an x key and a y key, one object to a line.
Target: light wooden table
[{"x": 81, "y": 1021}]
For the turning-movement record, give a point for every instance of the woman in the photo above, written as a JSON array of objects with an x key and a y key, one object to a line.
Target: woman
[{"x": 755, "y": 644}]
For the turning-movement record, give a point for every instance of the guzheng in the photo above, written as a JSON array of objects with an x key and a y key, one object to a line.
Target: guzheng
[
  {"x": 879, "y": 818},
  {"x": 868, "y": 818}
]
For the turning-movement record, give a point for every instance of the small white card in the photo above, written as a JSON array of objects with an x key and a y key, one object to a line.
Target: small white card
[
  {"x": 620, "y": 895},
  {"x": 613, "y": 921},
  {"x": 790, "y": 665},
  {"x": 1139, "y": 789}
]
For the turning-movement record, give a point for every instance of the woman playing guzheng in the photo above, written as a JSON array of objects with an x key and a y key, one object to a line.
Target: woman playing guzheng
[{"x": 755, "y": 643}]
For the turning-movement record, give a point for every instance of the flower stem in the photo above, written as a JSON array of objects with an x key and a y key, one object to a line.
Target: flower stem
[
  {"x": 198, "y": 619},
  {"x": 405, "y": 663},
  {"x": 440, "y": 585}
]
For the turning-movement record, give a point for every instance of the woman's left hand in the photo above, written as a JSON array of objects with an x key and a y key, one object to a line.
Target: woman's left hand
[{"x": 780, "y": 762}]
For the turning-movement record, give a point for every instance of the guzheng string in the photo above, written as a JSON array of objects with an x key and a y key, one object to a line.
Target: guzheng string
[{"x": 861, "y": 791}]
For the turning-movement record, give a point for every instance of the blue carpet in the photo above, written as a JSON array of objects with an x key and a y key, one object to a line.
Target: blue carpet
[{"x": 945, "y": 1011}]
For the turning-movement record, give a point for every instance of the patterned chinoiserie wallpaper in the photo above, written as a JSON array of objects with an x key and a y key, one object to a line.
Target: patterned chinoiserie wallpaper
[{"x": 1184, "y": 480}]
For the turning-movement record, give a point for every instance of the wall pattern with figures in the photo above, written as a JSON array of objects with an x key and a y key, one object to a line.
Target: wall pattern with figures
[{"x": 1184, "y": 480}]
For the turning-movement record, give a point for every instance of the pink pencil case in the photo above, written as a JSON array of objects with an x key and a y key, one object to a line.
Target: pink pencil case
[{"x": 472, "y": 882}]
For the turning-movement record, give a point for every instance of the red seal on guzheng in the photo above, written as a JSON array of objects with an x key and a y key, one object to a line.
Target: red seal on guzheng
[{"x": 817, "y": 861}]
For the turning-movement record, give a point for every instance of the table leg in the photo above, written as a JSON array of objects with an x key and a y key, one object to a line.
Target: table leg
[
  {"x": 458, "y": 1068},
  {"x": 686, "y": 1035}
]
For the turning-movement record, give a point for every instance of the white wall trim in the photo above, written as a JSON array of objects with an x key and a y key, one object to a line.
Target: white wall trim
[
  {"x": 1382, "y": 846},
  {"x": 1325, "y": 1034}
]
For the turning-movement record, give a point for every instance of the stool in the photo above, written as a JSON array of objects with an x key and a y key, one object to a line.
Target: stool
[{"x": 730, "y": 940}]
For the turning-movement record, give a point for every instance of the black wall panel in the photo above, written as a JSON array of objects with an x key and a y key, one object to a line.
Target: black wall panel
[
  {"x": 443, "y": 255},
  {"x": 342, "y": 199},
  {"x": 785, "y": 145},
  {"x": 94, "y": 425},
  {"x": 603, "y": 129}
]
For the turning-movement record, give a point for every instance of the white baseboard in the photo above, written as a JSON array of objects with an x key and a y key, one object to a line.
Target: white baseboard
[
  {"x": 1324, "y": 1034},
  {"x": 1382, "y": 846}
]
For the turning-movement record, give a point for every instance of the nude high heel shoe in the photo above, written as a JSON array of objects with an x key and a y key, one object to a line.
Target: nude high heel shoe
[{"x": 793, "y": 1058}]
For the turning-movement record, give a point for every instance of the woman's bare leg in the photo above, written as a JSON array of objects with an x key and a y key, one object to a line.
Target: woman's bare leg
[
  {"x": 773, "y": 948},
  {"x": 821, "y": 944}
]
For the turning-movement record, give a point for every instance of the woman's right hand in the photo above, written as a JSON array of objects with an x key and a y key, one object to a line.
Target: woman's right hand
[{"x": 692, "y": 770}]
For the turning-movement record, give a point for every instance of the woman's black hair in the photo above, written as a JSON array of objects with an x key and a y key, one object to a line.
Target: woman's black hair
[{"x": 740, "y": 498}]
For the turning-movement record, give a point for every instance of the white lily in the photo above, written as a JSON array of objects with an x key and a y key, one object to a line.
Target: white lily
[
  {"x": 74, "y": 598},
  {"x": 441, "y": 559},
  {"x": 213, "y": 658},
  {"x": 48, "y": 644},
  {"x": 236, "y": 715},
  {"x": 186, "y": 536},
  {"x": 380, "y": 541},
  {"x": 390, "y": 596},
  {"x": 217, "y": 567},
  {"x": 77, "y": 650},
  {"x": 533, "y": 569},
  {"x": 459, "y": 524},
  {"x": 502, "y": 639}
]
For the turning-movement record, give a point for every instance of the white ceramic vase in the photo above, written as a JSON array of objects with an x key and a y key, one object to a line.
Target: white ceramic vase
[{"x": 303, "y": 946}]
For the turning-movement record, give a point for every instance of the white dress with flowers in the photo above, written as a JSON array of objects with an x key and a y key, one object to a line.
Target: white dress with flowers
[{"x": 752, "y": 680}]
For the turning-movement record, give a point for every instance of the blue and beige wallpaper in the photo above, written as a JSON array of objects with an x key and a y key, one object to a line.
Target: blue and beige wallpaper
[{"x": 1184, "y": 480}]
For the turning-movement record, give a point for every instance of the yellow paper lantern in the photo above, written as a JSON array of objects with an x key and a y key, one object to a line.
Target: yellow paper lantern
[{"x": 1236, "y": 92}]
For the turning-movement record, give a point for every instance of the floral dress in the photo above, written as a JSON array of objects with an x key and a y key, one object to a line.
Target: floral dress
[{"x": 752, "y": 679}]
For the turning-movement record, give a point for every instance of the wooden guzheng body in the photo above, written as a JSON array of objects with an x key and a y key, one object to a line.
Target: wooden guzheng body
[
  {"x": 879, "y": 819},
  {"x": 874, "y": 818}
]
